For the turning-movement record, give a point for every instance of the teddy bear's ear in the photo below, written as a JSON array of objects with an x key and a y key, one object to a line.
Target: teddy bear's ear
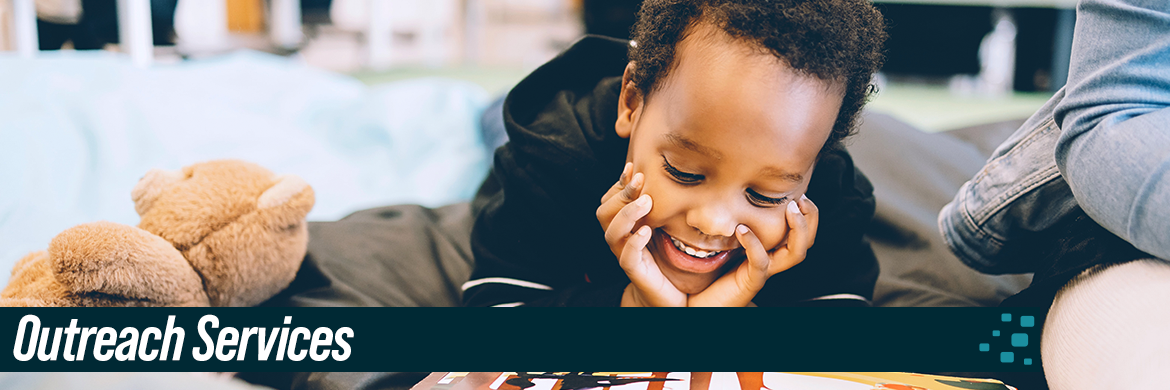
[
  {"x": 151, "y": 186},
  {"x": 286, "y": 187}
]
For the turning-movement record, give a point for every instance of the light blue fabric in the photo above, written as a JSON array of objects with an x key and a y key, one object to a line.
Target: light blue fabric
[
  {"x": 77, "y": 131},
  {"x": 1102, "y": 144},
  {"x": 1114, "y": 149}
]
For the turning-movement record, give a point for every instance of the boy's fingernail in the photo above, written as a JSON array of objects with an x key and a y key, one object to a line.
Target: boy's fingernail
[
  {"x": 626, "y": 169},
  {"x": 742, "y": 229},
  {"x": 643, "y": 200},
  {"x": 793, "y": 208},
  {"x": 644, "y": 230},
  {"x": 637, "y": 181},
  {"x": 803, "y": 196}
]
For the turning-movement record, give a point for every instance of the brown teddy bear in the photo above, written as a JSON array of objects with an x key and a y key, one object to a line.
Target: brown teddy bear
[{"x": 219, "y": 233}]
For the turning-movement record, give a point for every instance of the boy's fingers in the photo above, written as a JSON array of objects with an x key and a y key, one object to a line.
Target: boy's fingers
[
  {"x": 631, "y": 190},
  {"x": 799, "y": 236},
  {"x": 648, "y": 283},
  {"x": 757, "y": 255},
  {"x": 812, "y": 214},
  {"x": 621, "y": 183},
  {"x": 623, "y": 223},
  {"x": 631, "y": 259},
  {"x": 616, "y": 201},
  {"x": 613, "y": 190}
]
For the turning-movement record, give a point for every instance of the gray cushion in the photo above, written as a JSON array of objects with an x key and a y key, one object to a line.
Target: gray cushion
[
  {"x": 398, "y": 256},
  {"x": 914, "y": 174}
]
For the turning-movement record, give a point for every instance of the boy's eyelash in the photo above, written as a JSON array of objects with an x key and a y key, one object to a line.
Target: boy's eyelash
[
  {"x": 754, "y": 197},
  {"x": 680, "y": 176},
  {"x": 763, "y": 201}
]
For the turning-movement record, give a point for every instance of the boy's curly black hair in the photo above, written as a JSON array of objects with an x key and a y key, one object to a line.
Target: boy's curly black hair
[{"x": 834, "y": 40}]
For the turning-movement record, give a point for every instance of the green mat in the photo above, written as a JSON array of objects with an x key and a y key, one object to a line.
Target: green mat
[{"x": 934, "y": 108}]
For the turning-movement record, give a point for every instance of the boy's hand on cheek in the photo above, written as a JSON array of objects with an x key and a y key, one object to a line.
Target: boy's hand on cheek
[
  {"x": 738, "y": 287},
  {"x": 648, "y": 286},
  {"x": 622, "y": 193},
  {"x": 621, "y": 209}
]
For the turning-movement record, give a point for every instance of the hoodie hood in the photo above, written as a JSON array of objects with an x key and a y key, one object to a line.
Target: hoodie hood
[{"x": 570, "y": 103}]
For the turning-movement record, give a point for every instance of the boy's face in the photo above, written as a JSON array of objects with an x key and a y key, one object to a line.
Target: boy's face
[{"x": 729, "y": 138}]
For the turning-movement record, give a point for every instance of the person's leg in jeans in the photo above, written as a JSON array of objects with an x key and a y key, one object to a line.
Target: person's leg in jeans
[{"x": 1103, "y": 151}]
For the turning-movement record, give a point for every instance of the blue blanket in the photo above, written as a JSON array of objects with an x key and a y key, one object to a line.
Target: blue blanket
[{"x": 77, "y": 131}]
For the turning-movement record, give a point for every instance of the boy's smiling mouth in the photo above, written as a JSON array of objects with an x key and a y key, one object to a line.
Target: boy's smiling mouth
[
  {"x": 688, "y": 258},
  {"x": 699, "y": 253}
]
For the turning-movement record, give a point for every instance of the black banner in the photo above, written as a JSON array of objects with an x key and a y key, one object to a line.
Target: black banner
[{"x": 529, "y": 339}]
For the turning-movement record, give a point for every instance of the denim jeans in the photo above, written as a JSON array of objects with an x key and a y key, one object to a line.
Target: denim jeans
[
  {"x": 1018, "y": 194},
  {"x": 1101, "y": 144}
]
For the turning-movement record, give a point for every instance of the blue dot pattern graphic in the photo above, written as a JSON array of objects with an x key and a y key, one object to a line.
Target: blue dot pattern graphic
[{"x": 1018, "y": 338}]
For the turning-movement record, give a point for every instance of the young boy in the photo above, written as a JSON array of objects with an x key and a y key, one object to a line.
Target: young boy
[{"x": 722, "y": 122}]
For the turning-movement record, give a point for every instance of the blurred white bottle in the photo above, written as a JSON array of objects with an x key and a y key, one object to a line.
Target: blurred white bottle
[
  {"x": 997, "y": 56},
  {"x": 201, "y": 26}
]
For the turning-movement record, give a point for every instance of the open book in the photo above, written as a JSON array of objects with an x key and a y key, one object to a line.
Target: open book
[{"x": 702, "y": 381}]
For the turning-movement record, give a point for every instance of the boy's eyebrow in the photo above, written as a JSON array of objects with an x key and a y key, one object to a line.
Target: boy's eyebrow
[
  {"x": 685, "y": 143},
  {"x": 783, "y": 175}
]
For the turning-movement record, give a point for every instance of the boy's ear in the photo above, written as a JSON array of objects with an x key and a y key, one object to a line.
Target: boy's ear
[{"x": 630, "y": 104}]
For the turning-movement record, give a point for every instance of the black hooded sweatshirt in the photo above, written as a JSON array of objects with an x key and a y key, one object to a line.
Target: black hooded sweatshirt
[{"x": 537, "y": 241}]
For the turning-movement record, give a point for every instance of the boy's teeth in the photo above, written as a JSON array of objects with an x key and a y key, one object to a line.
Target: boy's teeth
[{"x": 692, "y": 251}]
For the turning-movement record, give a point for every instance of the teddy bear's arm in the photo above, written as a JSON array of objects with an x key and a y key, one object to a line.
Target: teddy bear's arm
[
  {"x": 110, "y": 264},
  {"x": 32, "y": 284}
]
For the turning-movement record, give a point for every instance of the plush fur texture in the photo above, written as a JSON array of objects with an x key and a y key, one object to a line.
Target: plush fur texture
[{"x": 220, "y": 233}]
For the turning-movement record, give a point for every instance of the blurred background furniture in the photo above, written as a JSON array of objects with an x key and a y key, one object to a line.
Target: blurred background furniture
[{"x": 971, "y": 47}]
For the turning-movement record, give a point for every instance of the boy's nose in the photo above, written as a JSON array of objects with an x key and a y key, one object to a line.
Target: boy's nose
[{"x": 712, "y": 219}]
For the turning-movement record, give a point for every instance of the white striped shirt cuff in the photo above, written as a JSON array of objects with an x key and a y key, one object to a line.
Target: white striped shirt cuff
[
  {"x": 513, "y": 304},
  {"x": 514, "y": 282},
  {"x": 840, "y": 296}
]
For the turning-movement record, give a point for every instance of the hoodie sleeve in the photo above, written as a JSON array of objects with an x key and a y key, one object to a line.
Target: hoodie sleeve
[{"x": 536, "y": 239}]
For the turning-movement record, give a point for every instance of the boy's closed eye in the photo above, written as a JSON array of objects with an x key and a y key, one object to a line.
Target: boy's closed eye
[
  {"x": 760, "y": 200},
  {"x": 679, "y": 176},
  {"x": 689, "y": 179}
]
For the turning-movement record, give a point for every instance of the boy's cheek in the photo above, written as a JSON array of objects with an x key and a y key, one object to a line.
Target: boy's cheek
[
  {"x": 660, "y": 210},
  {"x": 771, "y": 231}
]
